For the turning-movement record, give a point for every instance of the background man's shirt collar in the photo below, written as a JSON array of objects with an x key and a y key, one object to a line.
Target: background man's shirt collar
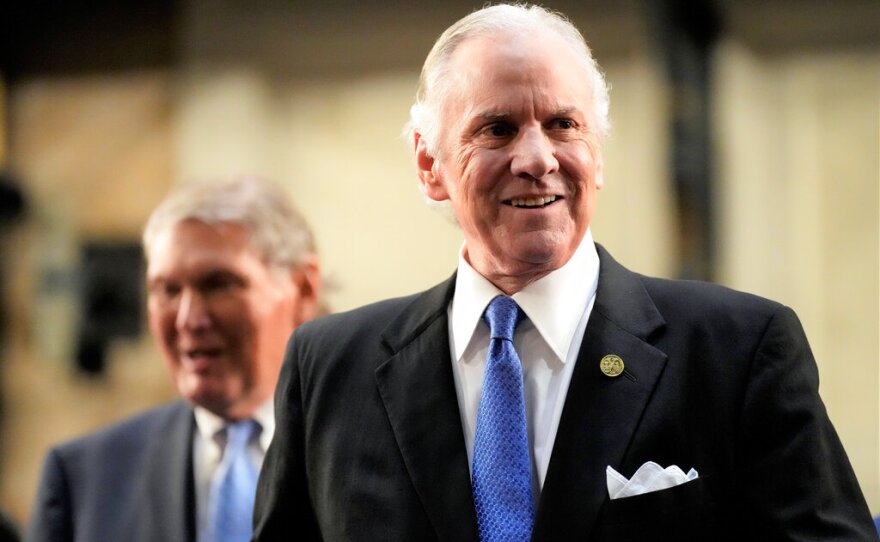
[{"x": 208, "y": 423}]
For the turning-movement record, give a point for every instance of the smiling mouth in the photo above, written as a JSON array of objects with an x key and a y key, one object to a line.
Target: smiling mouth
[
  {"x": 532, "y": 203},
  {"x": 200, "y": 360},
  {"x": 202, "y": 353}
]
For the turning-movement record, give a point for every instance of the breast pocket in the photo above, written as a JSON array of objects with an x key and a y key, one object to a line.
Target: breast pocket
[{"x": 681, "y": 513}]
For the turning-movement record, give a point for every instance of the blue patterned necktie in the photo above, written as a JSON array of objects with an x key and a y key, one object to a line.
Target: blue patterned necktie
[
  {"x": 502, "y": 471},
  {"x": 234, "y": 487}
]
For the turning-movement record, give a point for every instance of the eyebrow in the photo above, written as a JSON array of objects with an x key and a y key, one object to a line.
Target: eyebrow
[
  {"x": 498, "y": 115},
  {"x": 566, "y": 110}
]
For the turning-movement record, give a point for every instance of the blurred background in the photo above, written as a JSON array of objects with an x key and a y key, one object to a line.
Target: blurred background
[{"x": 745, "y": 150}]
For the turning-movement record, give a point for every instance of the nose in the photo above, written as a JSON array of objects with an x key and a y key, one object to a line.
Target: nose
[
  {"x": 192, "y": 311},
  {"x": 533, "y": 155}
]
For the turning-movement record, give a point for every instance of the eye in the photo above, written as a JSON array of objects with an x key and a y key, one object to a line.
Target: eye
[
  {"x": 164, "y": 291},
  {"x": 563, "y": 124},
  {"x": 219, "y": 282},
  {"x": 499, "y": 129}
]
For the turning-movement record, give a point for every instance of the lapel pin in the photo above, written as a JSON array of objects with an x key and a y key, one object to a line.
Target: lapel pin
[{"x": 611, "y": 365}]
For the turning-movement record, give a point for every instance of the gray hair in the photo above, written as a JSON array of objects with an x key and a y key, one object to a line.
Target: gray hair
[
  {"x": 525, "y": 18},
  {"x": 278, "y": 233}
]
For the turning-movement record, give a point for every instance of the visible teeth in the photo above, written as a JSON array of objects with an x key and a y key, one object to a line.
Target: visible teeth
[
  {"x": 532, "y": 202},
  {"x": 200, "y": 353}
]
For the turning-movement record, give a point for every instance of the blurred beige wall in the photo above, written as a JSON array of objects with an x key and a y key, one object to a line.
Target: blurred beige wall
[
  {"x": 798, "y": 174},
  {"x": 797, "y": 171}
]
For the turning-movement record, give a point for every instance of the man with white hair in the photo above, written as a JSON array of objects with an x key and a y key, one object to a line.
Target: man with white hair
[
  {"x": 231, "y": 272},
  {"x": 545, "y": 392}
]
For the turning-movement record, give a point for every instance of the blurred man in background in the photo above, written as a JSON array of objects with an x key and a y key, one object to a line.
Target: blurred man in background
[
  {"x": 231, "y": 272},
  {"x": 545, "y": 392}
]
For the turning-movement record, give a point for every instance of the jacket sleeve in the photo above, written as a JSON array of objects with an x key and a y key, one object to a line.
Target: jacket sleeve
[
  {"x": 283, "y": 509},
  {"x": 51, "y": 519},
  {"x": 796, "y": 480}
]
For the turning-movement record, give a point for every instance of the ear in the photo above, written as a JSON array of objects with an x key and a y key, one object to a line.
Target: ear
[
  {"x": 600, "y": 172},
  {"x": 432, "y": 185},
  {"x": 306, "y": 278}
]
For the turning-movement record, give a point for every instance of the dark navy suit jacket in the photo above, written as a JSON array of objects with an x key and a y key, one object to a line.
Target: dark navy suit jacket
[
  {"x": 131, "y": 482},
  {"x": 369, "y": 443}
]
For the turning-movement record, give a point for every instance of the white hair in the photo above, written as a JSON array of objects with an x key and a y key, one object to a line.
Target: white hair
[
  {"x": 278, "y": 233},
  {"x": 434, "y": 88}
]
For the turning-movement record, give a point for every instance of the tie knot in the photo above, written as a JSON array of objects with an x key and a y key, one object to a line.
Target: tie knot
[
  {"x": 238, "y": 434},
  {"x": 502, "y": 315}
]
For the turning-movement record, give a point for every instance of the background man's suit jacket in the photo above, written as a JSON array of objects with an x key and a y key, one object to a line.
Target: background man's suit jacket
[
  {"x": 369, "y": 443},
  {"x": 131, "y": 482}
]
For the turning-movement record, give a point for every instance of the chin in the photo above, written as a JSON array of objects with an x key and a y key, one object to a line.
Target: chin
[
  {"x": 543, "y": 252},
  {"x": 201, "y": 393}
]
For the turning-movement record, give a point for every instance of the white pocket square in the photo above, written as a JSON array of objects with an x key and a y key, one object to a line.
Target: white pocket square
[{"x": 650, "y": 477}]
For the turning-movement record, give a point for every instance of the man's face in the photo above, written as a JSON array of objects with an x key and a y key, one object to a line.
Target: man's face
[
  {"x": 518, "y": 156},
  {"x": 220, "y": 316}
]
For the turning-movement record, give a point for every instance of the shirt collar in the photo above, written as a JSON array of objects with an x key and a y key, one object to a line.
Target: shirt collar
[
  {"x": 554, "y": 303},
  {"x": 208, "y": 423}
]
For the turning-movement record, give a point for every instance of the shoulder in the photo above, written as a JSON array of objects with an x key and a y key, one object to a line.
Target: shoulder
[
  {"x": 348, "y": 346},
  {"x": 393, "y": 320},
  {"x": 360, "y": 329},
  {"x": 691, "y": 297},
  {"x": 102, "y": 461},
  {"x": 106, "y": 470},
  {"x": 695, "y": 321},
  {"x": 370, "y": 319},
  {"x": 683, "y": 307},
  {"x": 737, "y": 321},
  {"x": 125, "y": 438}
]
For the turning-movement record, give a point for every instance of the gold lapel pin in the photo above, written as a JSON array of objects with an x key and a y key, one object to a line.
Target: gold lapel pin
[{"x": 611, "y": 365}]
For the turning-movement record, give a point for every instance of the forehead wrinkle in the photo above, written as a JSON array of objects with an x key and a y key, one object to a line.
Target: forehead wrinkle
[{"x": 494, "y": 115}]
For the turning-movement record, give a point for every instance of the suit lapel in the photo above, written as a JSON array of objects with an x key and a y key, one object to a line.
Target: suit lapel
[
  {"x": 418, "y": 391},
  {"x": 168, "y": 506},
  {"x": 601, "y": 413}
]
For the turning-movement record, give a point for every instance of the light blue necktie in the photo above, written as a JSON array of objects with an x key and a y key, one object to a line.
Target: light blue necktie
[
  {"x": 502, "y": 471},
  {"x": 234, "y": 487}
]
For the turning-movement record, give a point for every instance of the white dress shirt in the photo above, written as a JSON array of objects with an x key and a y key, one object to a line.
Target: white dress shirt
[
  {"x": 558, "y": 307},
  {"x": 208, "y": 443}
]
